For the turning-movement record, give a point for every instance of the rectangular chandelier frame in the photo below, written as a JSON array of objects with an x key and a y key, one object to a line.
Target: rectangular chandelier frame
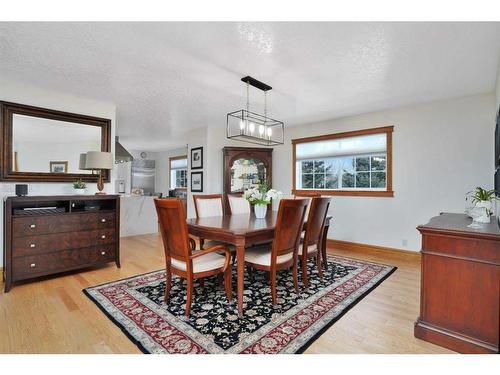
[{"x": 251, "y": 127}]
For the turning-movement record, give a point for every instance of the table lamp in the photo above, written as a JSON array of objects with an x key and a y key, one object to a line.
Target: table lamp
[{"x": 97, "y": 160}]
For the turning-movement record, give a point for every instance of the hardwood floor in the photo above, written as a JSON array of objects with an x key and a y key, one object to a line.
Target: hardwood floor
[{"x": 54, "y": 316}]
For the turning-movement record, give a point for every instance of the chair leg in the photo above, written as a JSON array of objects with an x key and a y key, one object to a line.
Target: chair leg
[
  {"x": 318, "y": 264},
  {"x": 168, "y": 284},
  {"x": 189, "y": 296},
  {"x": 250, "y": 273},
  {"x": 227, "y": 284},
  {"x": 295, "y": 276},
  {"x": 304, "y": 272},
  {"x": 272, "y": 276}
]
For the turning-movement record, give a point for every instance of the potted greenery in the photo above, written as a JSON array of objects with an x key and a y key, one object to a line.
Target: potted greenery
[
  {"x": 482, "y": 201},
  {"x": 79, "y": 186},
  {"x": 260, "y": 197}
]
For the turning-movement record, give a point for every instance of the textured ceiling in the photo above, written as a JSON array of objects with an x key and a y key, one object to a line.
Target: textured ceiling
[{"x": 167, "y": 78}]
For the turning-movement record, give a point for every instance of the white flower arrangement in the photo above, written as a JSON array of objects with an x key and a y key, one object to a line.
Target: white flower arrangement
[{"x": 261, "y": 194}]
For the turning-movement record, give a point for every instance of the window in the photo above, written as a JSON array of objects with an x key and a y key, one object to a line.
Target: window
[
  {"x": 178, "y": 172},
  {"x": 351, "y": 163}
]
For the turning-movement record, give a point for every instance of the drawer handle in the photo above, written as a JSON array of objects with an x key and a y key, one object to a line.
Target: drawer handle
[
  {"x": 32, "y": 226},
  {"x": 33, "y": 265},
  {"x": 103, "y": 253},
  {"x": 32, "y": 245},
  {"x": 103, "y": 220},
  {"x": 103, "y": 236}
]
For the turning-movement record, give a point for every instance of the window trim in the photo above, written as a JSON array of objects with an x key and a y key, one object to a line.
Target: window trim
[
  {"x": 388, "y": 192},
  {"x": 170, "y": 160}
]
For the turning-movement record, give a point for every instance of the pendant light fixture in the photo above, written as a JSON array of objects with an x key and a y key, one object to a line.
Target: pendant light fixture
[{"x": 251, "y": 127}]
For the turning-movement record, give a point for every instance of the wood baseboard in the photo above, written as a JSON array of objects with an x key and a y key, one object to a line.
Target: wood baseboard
[
  {"x": 452, "y": 340},
  {"x": 364, "y": 248}
]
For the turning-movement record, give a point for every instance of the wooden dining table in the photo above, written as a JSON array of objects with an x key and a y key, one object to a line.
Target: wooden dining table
[{"x": 242, "y": 231}]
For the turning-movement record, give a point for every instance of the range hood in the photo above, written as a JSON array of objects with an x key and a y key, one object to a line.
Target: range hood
[{"x": 121, "y": 154}]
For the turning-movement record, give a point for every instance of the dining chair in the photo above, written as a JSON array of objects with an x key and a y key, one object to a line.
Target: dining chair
[
  {"x": 282, "y": 253},
  {"x": 207, "y": 206},
  {"x": 313, "y": 235},
  {"x": 308, "y": 197},
  {"x": 180, "y": 255},
  {"x": 238, "y": 204}
]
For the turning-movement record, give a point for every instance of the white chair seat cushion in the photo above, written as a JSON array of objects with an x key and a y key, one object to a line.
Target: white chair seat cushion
[
  {"x": 310, "y": 249},
  {"x": 207, "y": 262},
  {"x": 262, "y": 255}
]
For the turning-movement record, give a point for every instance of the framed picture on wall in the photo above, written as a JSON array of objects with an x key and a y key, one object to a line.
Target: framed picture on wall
[
  {"x": 197, "y": 182},
  {"x": 58, "y": 167},
  {"x": 197, "y": 158}
]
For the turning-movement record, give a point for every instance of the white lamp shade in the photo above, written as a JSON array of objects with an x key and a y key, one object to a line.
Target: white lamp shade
[{"x": 98, "y": 160}]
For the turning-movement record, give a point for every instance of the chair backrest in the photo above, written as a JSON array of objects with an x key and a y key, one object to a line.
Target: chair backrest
[
  {"x": 316, "y": 220},
  {"x": 173, "y": 228},
  {"x": 289, "y": 224},
  {"x": 238, "y": 204},
  {"x": 208, "y": 205},
  {"x": 308, "y": 197}
]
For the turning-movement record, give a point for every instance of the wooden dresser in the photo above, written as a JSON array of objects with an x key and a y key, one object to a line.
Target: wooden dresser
[
  {"x": 50, "y": 234},
  {"x": 460, "y": 284}
]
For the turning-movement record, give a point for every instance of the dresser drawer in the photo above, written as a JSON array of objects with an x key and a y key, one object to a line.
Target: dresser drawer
[
  {"x": 31, "y": 266},
  {"x": 46, "y": 243},
  {"x": 35, "y": 225}
]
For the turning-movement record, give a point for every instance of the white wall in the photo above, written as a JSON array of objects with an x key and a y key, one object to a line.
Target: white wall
[
  {"x": 26, "y": 94},
  {"x": 441, "y": 150}
]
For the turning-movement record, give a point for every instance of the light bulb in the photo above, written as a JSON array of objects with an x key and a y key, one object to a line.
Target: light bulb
[
  {"x": 251, "y": 127},
  {"x": 261, "y": 130},
  {"x": 242, "y": 124},
  {"x": 269, "y": 132}
]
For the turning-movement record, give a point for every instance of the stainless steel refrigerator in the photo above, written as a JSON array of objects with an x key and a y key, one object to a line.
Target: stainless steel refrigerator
[{"x": 143, "y": 175}]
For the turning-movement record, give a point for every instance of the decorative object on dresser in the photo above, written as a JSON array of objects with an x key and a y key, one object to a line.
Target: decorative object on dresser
[
  {"x": 245, "y": 168},
  {"x": 480, "y": 205},
  {"x": 460, "y": 284},
  {"x": 79, "y": 187},
  {"x": 98, "y": 160},
  {"x": 21, "y": 190},
  {"x": 51, "y": 234}
]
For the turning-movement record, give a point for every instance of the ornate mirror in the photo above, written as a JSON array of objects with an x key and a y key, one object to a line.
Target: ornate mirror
[{"x": 246, "y": 167}]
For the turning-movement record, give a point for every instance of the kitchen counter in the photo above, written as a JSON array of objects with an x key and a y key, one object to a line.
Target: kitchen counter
[{"x": 137, "y": 215}]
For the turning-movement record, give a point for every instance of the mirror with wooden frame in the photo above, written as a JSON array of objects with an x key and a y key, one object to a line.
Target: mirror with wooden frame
[{"x": 44, "y": 145}]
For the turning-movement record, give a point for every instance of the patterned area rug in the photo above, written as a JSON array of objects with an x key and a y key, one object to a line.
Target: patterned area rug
[{"x": 136, "y": 305}]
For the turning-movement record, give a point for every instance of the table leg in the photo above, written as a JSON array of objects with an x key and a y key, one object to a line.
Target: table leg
[{"x": 240, "y": 255}]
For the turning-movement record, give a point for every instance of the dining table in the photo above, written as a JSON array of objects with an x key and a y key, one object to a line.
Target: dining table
[{"x": 243, "y": 231}]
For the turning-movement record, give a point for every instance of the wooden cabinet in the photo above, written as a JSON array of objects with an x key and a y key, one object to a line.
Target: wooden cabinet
[
  {"x": 245, "y": 167},
  {"x": 460, "y": 285},
  {"x": 47, "y": 235}
]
